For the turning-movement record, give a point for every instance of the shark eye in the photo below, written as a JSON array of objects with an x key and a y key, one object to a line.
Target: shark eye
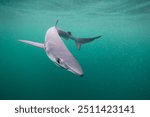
[
  {"x": 61, "y": 63},
  {"x": 58, "y": 60}
]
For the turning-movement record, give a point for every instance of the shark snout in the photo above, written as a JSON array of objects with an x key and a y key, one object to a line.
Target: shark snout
[
  {"x": 80, "y": 73},
  {"x": 77, "y": 71}
]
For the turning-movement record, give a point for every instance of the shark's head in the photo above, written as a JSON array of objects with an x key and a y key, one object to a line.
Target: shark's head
[{"x": 74, "y": 69}]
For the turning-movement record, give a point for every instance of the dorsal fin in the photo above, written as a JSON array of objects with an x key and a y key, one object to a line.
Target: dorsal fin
[{"x": 56, "y": 22}]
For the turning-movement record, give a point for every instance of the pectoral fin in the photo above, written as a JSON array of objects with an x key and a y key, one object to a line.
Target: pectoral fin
[{"x": 40, "y": 45}]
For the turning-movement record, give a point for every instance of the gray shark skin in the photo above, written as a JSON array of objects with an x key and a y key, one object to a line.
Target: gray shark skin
[
  {"x": 78, "y": 41},
  {"x": 56, "y": 50}
]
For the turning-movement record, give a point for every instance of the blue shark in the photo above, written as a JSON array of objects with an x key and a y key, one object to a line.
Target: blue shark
[{"x": 58, "y": 52}]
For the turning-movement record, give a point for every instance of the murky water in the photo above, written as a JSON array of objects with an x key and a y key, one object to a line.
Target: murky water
[{"x": 117, "y": 66}]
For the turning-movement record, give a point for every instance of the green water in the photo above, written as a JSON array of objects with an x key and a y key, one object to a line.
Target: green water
[{"x": 117, "y": 66}]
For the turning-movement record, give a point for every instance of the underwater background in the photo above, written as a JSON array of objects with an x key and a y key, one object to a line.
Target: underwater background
[{"x": 116, "y": 66}]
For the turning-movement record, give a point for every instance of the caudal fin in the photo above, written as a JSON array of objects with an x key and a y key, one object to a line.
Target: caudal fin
[
  {"x": 40, "y": 45},
  {"x": 81, "y": 41}
]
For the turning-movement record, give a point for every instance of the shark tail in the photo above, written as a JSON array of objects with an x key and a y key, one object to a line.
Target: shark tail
[
  {"x": 80, "y": 41},
  {"x": 40, "y": 45}
]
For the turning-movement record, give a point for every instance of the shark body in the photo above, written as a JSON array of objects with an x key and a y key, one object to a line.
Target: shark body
[{"x": 58, "y": 52}]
